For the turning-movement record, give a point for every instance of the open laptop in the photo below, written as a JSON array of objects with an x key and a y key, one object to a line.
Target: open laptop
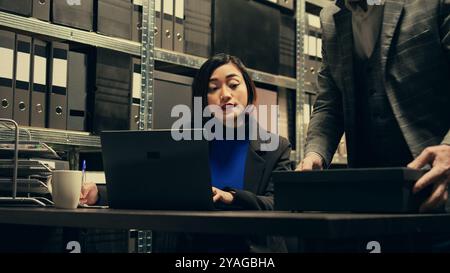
[{"x": 150, "y": 170}]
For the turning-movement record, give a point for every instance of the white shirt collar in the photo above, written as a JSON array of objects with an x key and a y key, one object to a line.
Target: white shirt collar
[{"x": 359, "y": 12}]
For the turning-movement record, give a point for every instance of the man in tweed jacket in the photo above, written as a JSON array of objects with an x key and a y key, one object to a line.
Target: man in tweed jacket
[{"x": 385, "y": 82}]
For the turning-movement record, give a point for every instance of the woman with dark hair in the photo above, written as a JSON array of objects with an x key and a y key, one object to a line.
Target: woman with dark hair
[{"x": 240, "y": 169}]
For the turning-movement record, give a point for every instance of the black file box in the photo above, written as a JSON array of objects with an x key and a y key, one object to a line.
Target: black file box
[
  {"x": 78, "y": 14},
  {"x": 76, "y": 91},
  {"x": 170, "y": 90},
  {"x": 287, "y": 46},
  {"x": 197, "y": 27},
  {"x": 113, "y": 91},
  {"x": 384, "y": 190},
  {"x": 114, "y": 18},
  {"x": 21, "y": 7},
  {"x": 41, "y": 9},
  {"x": 249, "y": 30}
]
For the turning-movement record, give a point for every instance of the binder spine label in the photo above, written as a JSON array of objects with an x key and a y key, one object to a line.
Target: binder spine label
[
  {"x": 40, "y": 70},
  {"x": 168, "y": 8},
  {"x": 137, "y": 80},
  {"x": 59, "y": 72},
  {"x": 23, "y": 66},
  {"x": 6, "y": 68},
  {"x": 179, "y": 9}
]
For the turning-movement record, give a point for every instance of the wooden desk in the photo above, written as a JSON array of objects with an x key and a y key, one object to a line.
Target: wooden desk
[
  {"x": 307, "y": 225},
  {"x": 313, "y": 231}
]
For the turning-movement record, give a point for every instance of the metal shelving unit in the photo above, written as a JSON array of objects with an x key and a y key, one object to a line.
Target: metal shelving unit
[
  {"x": 149, "y": 55},
  {"x": 144, "y": 237},
  {"x": 32, "y": 25},
  {"x": 54, "y": 137},
  {"x": 196, "y": 62},
  {"x": 36, "y": 26},
  {"x": 148, "y": 64},
  {"x": 301, "y": 127}
]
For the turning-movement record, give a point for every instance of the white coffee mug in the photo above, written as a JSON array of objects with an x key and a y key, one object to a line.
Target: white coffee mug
[{"x": 65, "y": 187}]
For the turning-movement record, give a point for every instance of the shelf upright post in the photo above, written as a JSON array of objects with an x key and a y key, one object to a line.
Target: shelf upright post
[
  {"x": 148, "y": 64},
  {"x": 300, "y": 127},
  {"x": 144, "y": 237}
]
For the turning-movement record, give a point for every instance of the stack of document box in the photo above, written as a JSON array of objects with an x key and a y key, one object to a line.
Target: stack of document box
[{"x": 36, "y": 162}]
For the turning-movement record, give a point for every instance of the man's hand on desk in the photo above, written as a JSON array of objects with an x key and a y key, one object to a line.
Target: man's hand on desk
[
  {"x": 312, "y": 161},
  {"x": 89, "y": 194},
  {"x": 439, "y": 175},
  {"x": 222, "y": 196}
]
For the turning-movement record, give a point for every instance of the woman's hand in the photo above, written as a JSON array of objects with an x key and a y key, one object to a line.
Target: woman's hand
[
  {"x": 222, "y": 196},
  {"x": 89, "y": 194}
]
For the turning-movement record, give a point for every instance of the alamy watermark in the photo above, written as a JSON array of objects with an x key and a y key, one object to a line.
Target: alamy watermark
[
  {"x": 373, "y": 247},
  {"x": 236, "y": 127},
  {"x": 73, "y": 2},
  {"x": 73, "y": 247},
  {"x": 374, "y": 2}
]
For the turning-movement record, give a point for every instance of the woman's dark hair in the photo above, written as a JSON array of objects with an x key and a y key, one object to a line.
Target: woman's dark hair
[{"x": 200, "y": 86}]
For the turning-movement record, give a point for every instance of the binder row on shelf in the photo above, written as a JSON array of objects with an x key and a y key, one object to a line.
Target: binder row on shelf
[
  {"x": 115, "y": 18},
  {"x": 100, "y": 89},
  {"x": 313, "y": 51},
  {"x": 49, "y": 84},
  {"x": 92, "y": 90},
  {"x": 195, "y": 27},
  {"x": 38, "y": 79},
  {"x": 186, "y": 25}
]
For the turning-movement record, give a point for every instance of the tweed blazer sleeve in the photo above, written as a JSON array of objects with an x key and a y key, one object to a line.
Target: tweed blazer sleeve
[
  {"x": 445, "y": 38},
  {"x": 327, "y": 122}
]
